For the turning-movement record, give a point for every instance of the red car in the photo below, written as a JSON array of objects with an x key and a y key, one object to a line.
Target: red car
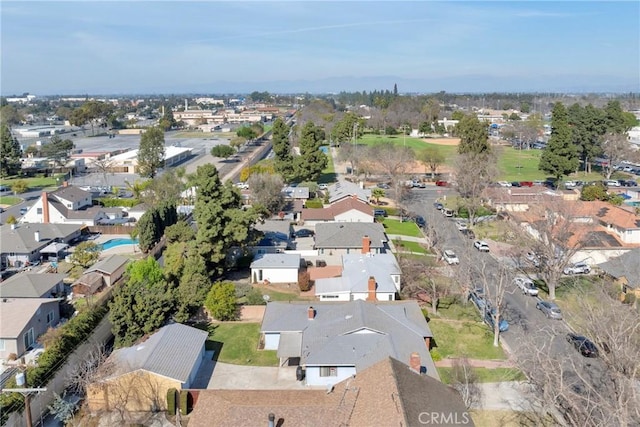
[
  {"x": 442, "y": 183},
  {"x": 526, "y": 183}
]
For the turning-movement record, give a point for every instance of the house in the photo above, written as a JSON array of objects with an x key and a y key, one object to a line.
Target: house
[
  {"x": 344, "y": 189},
  {"x": 33, "y": 285},
  {"x": 275, "y": 268},
  {"x": 110, "y": 268},
  {"x": 388, "y": 393},
  {"x": 340, "y": 238},
  {"x": 66, "y": 205},
  {"x": 625, "y": 269},
  {"x": 24, "y": 243},
  {"x": 295, "y": 193},
  {"x": 137, "y": 211},
  {"x": 519, "y": 199},
  {"x": 276, "y": 239},
  {"x": 335, "y": 340},
  {"x": 364, "y": 276},
  {"x": 349, "y": 209},
  {"x": 624, "y": 223},
  {"x": 137, "y": 378},
  {"x": 23, "y": 320}
]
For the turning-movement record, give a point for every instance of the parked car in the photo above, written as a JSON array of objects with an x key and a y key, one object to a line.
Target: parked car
[
  {"x": 533, "y": 258},
  {"x": 481, "y": 245},
  {"x": 384, "y": 186},
  {"x": 549, "y": 309},
  {"x": 570, "y": 184},
  {"x": 447, "y": 212},
  {"x": 526, "y": 285},
  {"x": 526, "y": 183},
  {"x": 323, "y": 186},
  {"x": 461, "y": 225},
  {"x": 516, "y": 184},
  {"x": 304, "y": 232},
  {"x": 23, "y": 211},
  {"x": 628, "y": 183},
  {"x": 477, "y": 297},
  {"x": 442, "y": 183},
  {"x": 450, "y": 257},
  {"x": 612, "y": 183},
  {"x": 583, "y": 345},
  {"x": 504, "y": 184},
  {"x": 380, "y": 212},
  {"x": 490, "y": 318},
  {"x": 242, "y": 185},
  {"x": 577, "y": 268},
  {"x": 438, "y": 206},
  {"x": 420, "y": 221}
]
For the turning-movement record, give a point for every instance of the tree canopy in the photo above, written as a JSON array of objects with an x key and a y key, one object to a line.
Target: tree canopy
[
  {"x": 221, "y": 301},
  {"x": 222, "y": 151},
  {"x": 560, "y": 157},
  {"x": 151, "y": 152},
  {"x": 312, "y": 161},
  {"x": 282, "y": 149},
  {"x": 11, "y": 152},
  {"x": 474, "y": 135}
]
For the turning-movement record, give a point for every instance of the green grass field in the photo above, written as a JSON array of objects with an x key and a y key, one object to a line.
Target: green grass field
[
  {"x": 328, "y": 175},
  {"x": 449, "y": 151},
  {"x": 464, "y": 339},
  {"x": 237, "y": 343},
  {"x": 9, "y": 200},
  {"x": 35, "y": 182},
  {"x": 406, "y": 228},
  {"x": 486, "y": 375},
  {"x": 406, "y": 246}
]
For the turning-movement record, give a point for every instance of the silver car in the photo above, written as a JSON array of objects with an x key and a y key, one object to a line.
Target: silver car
[{"x": 550, "y": 309}]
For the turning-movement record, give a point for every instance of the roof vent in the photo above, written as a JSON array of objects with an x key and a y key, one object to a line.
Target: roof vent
[{"x": 348, "y": 316}]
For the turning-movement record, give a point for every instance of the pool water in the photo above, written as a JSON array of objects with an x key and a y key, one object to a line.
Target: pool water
[{"x": 112, "y": 243}]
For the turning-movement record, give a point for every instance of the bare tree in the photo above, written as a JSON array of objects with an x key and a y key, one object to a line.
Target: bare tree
[
  {"x": 465, "y": 380},
  {"x": 104, "y": 166},
  {"x": 422, "y": 281},
  {"x": 587, "y": 392},
  {"x": 394, "y": 162},
  {"x": 473, "y": 174},
  {"x": 553, "y": 235},
  {"x": 616, "y": 148},
  {"x": 496, "y": 283},
  {"x": 266, "y": 190},
  {"x": 85, "y": 371}
]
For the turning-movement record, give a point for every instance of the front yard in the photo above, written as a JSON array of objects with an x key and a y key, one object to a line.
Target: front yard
[
  {"x": 455, "y": 339},
  {"x": 237, "y": 343},
  {"x": 486, "y": 375},
  {"x": 406, "y": 246},
  {"x": 405, "y": 228}
]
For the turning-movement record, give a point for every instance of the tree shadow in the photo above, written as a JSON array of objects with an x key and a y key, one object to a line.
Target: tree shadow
[{"x": 327, "y": 177}]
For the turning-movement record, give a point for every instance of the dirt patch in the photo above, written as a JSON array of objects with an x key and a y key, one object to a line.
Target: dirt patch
[
  {"x": 252, "y": 313},
  {"x": 442, "y": 141}
]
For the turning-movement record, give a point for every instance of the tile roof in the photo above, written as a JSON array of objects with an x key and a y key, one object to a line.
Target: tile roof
[
  {"x": 343, "y": 206},
  {"x": 16, "y": 313},
  {"x": 349, "y": 235},
  {"x": 607, "y": 213},
  {"x": 332, "y": 337},
  {"x": 109, "y": 264},
  {"x": 30, "y": 285},
  {"x": 386, "y": 394},
  {"x": 171, "y": 352}
]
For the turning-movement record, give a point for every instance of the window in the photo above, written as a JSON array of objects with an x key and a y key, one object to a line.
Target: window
[
  {"x": 2, "y": 345},
  {"x": 29, "y": 338},
  {"x": 390, "y": 297},
  {"x": 328, "y": 371},
  {"x": 39, "y": 211},
  {"x": 50, "y": 317}
]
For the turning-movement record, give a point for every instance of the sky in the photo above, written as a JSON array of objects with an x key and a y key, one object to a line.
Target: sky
[{"x": 146, "y": 47}]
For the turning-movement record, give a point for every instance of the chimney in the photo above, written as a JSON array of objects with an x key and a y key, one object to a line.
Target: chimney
[
  {"x": 366, "y": 244},
  {"x": 311, "y": 313},
  {"x": 272, "y": 420},
  {"x": 45, "y": 207},
  {"x": 36, "y": 235},
  {"x": 427, "y": 341},
  {"x": 414, "y": 362},
  {"x": 372, "y": 289},
  {"x": 65, "y": 183}
]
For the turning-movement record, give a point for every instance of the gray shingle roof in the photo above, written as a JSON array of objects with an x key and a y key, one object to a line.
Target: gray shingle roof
[
  {"x": 109, "y": 265},
  {"x": 276, "y": 261},
  {"x": 29, "y": 285},
  {"x": 275, "y": 226},
  {"x": 356, "y": 270},
  {"x": 22, "y": 240},
  {"x": 626, "y": 265},
  {"x": 352, "y": 333},
  {"x": 71, "y": 193},
  {"x": 15, "y": 313},
  {"x": 342, "y": 189},
  {"x": 295, "y": 193},
  {"x": 171, "y": 352},
  {"x": 340, "y": 235}
]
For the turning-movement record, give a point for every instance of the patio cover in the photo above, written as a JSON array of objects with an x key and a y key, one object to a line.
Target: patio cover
[
  {"x": 290, "y": 344},
  {"x": 54, "y": 248}
]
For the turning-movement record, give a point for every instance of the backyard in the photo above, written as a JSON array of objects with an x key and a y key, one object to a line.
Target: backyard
[{"x": 237, "y": 343}]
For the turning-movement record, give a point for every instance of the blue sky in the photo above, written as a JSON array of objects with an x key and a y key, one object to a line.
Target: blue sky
[{"x": 111, "y": 47}]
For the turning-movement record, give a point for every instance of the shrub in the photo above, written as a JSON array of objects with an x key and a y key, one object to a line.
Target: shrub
[
  {"x": 171, "y": 401},
  {"x": 114, "y": 202},
  {"x": 184, "y": 402},
  {"x": 629, "y": 298},
  {"x": 304, "y": 281},
  {"x": 254, "y": 297},
  {"x": 435, "y": 354}
]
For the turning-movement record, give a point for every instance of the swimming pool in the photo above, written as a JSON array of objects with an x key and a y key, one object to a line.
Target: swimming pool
[{"x": 112, "y": 243}]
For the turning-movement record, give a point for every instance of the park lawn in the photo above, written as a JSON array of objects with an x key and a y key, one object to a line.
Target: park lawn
[
  {"x": 486, "y": 375},
  {"x": 406, "y": 246},
  {"x": 237, "y": 343},
  {"x": 519, "y": 165},
  {"x": 418, "y": 144},
  {"x": 35, "y": 182},
  {"x": 405, "y": 228},
  {"x": 473, "y": 340},
  {"x": 9, "y": 200}
]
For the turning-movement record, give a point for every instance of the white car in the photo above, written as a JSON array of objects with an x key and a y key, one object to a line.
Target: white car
[
  {"x": 526, "y": 285},
  {"x": 504, "y": 184},
  {"x": 577, "y": 268},
  {"x": 570, "y": 184},
  {"x": 323, "y": 186},
  {"x": 612, "y": 183},
  {"x": 461, "y": 225},
  {"x": 242, "y": 185},
  {"x": 481, "y": 245},
  {"x": 450, "y": 257}
]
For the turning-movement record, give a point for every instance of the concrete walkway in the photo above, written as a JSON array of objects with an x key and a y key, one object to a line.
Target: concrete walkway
[{"x": 508, "y": 396}]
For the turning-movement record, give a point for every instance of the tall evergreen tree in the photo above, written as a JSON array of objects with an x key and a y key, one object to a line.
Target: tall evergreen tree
[
  {"x": 282, "y": 149},
  {"x": 560, "y": 157},
  {"x": 221, "y": 221},
  {"x": 587, "y": 128},
  {"x": 10, "y": 153},
  {"x": 151, "y": 152},
  {"x": 474, "y": 135},
  {"x": 312, "y": 161}
]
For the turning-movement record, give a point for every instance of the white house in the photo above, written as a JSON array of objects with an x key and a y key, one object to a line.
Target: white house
[
  {"x": 336, "y": 340},
  {"x": 66, "y": 205},
  {"x": 349, "y": 209},
  {"x": 371, "y": 277},
  {"x": 275, "y": 268}
]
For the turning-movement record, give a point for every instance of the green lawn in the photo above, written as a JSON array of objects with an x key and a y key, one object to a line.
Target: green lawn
[
  {"x": 406, "y": 228},
  {"x": 486, "y": 375},
  {"x": 35, "y": 182},
  {"x": 280, "y": 296},
  {"x": 237, "y": 343},
  {"x": 406, "y": 246},
  {"x": 9, "y": 200},
  {"x": 417, "y": 144},
  {"x": 464, "y": 339},
  {"x": 328, "y": 175},
  {"x": 450, "y": 308}
]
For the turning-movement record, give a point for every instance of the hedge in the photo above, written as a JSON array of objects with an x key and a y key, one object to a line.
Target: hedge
[
  {"x": 171, "y": 401},
  {"x": 113, "y": 202},
  {"x": 184, "y": 402}
]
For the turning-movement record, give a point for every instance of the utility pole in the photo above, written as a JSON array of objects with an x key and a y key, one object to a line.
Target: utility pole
[{"x": 21, "y": 380}]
